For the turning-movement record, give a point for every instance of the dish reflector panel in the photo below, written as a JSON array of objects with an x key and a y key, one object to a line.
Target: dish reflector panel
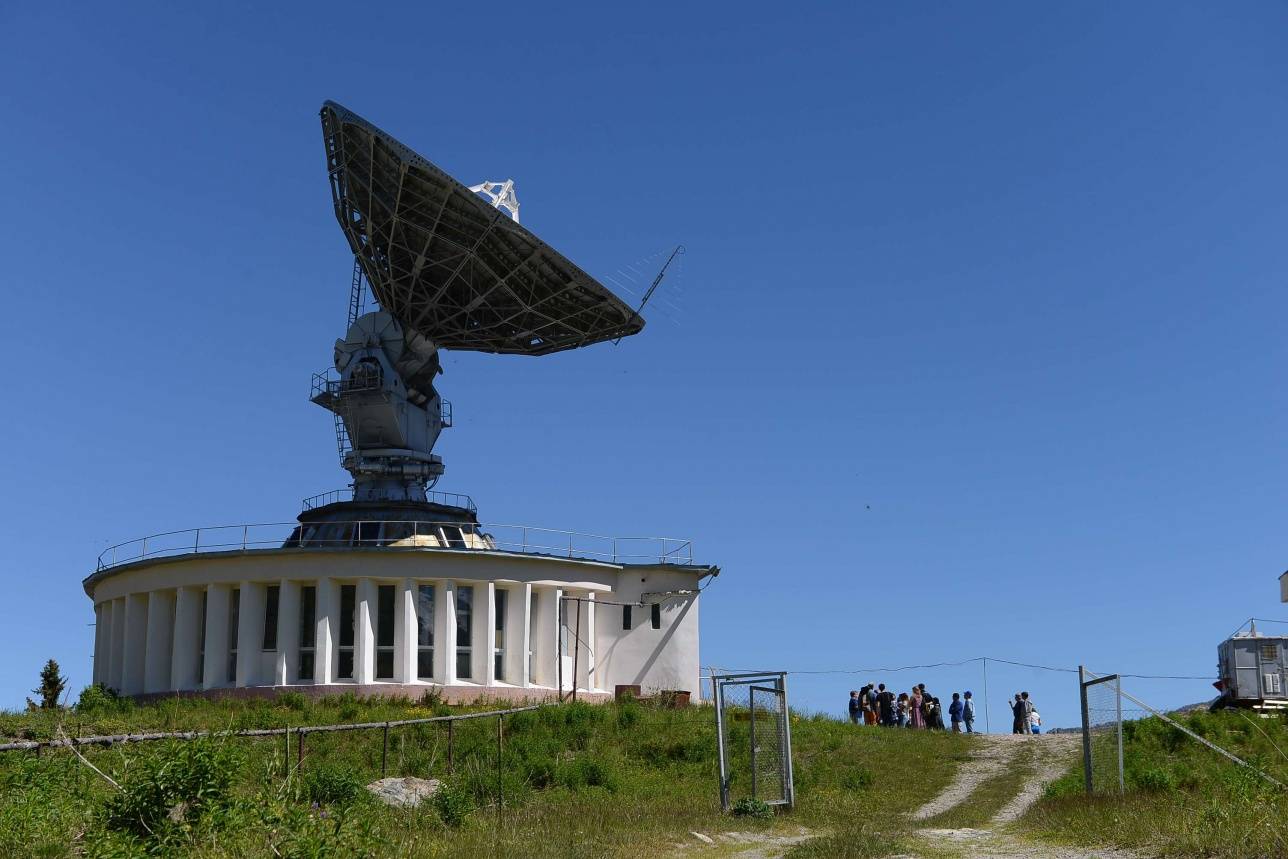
[{"x": 445, "y": 263}]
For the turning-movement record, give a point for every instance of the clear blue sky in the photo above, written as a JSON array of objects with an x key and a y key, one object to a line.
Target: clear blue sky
[{"x": 978, "y": 348}]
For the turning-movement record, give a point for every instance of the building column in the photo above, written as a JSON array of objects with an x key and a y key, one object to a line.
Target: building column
[
  {"x": 214, "y": 672},
  {"x": 543, "y": 644},
  {"x": 286, "y": 662},
  {"x": 117, "y": 647},
  {"x": 516, "y": 634},
  {"x": 159, "y": 648},
  {"x": 445, "y": 633},
  {"x": 250, "y": 633},
  {"x": 328, "y": 608},
  {"x": 186, "y": 639},
  {"x": 136, "y": 637},
  {"x": 100, "y": 631},
  {"x": 588, "y": 637},
  {"x": 364, "y": 633},
  {"x": 485, "y": 633},
  {"x": 405, "y": 632}
]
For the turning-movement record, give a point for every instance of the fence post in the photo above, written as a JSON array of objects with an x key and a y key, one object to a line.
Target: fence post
[
  {"x": 1118, "y": 701},
  {"x": 384, "y": 750},
  {"x": 299, "y": 747},
  {"x": 500, "y": 721},
  {"x": 451, "y": 735},
  {"x": 751, "y": 730},
  {"x": 1086, "y": 729}
]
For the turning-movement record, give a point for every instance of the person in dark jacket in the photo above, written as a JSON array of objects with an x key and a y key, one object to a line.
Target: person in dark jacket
[
  {"x": 955, "y": 713},
  {"x": 968, "y": 712},
  {"x": 1020, "y": 713},
  {"x": 885, "y": 703},
  {"x": 855, "y": 707}
]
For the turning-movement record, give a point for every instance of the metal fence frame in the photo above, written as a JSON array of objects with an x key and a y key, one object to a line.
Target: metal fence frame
[
  {"x": 769, "y": 683},
  {"x": 1086, "y": 680}
]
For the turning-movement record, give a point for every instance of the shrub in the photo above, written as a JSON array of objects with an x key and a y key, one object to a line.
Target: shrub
[
  {"x": 175, "y": 788},
  {"x": 99, "y": 698},
  {"x": 293, "y": 700},
  {"x": 453, "y": 804},
  {"x": 586, "y": 771},
  {"x": 857, "y": 779},
  {"x": 1154, "y": 779},
  {"x": 628, "y": 713},
  {"x": 347, "y": 706},
  {"x": 328, "y": 784},
  {"x": 756, "y": 809}
]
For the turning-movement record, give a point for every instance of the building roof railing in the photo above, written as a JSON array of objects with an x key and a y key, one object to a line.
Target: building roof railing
[
  {"x": 447, "y": 499},
  {"x": 401, "y": 535}
]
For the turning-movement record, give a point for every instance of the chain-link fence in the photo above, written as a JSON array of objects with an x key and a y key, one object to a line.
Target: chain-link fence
[
  {"x": 754, "y": 732},
  {"x": 1102, "y": 732},
  {"x": 1106, "y": 706}
]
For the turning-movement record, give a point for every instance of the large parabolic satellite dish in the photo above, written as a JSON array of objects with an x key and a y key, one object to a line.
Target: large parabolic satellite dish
[
  {"x": 450, "y": 271},
  {"x": 445, "y": 263}
]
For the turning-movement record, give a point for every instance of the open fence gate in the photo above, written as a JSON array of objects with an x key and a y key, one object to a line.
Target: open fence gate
[
  {"x": 754, "y": 738},
  {"x": 1102, "y": 731}
]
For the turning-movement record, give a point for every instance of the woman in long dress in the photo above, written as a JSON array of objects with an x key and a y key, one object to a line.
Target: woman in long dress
[{"x": 914, "y": 709}]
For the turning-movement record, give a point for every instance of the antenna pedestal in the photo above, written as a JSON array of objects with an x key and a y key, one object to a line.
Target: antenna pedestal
[{"x": 387, "y": 414}]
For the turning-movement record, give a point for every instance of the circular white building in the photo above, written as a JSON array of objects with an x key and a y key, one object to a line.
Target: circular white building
[
  {"x": 388, "y": 588},
  {"x": 396, "y": 599}
]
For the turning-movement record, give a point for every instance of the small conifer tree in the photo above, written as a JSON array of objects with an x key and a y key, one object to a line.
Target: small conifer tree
[{"x": 51, "y": 688}]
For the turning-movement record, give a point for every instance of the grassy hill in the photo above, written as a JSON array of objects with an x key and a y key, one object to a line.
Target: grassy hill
[
  {"x": 1182, "y": 798},
  {"x": 578, "y": 780}
]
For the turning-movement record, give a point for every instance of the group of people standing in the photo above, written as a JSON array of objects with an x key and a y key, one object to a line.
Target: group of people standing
[
  {"x": 1027, "y": 719},
  {"x": 874, "y": 704}
]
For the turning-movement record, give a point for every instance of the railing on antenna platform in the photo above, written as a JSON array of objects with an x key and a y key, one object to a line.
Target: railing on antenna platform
[{"x": 402, "y": 535}]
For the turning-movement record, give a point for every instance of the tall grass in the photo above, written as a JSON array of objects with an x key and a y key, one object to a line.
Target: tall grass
[
  {"x": 1182, "y": 799},
  {"x": 576, "y": 780}
]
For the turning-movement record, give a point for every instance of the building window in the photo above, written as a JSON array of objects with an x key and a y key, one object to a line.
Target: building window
[
  {"x": 271, "y": 596},
  {"x": 344, "y": 654},
  {"x": 452, "y": 537},
  {"x": 201, "y": 642},
  {"x": 234, "y": 612},
  {"x": 385, "y": 632},
  {"x": 425, "y": 632},
  {"x": 308, "y": 630},
  {"x": 464, "y": 604},
  {"x": 498, "y": 635},
  {"x": 1269, "y": 653},
  {"x": 656, "y": 615},
  {"x": 626, "y": 617}
]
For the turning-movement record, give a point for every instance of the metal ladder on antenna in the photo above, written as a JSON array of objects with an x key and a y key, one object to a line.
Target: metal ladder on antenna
[
  {"x": 342, "y": 444},
  {"x": 357, "y": 296}
]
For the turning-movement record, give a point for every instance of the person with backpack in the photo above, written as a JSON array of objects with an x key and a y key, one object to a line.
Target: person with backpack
[
  {"x": 874, "y": 706},
  {"x": 955, "y": 713},
  {"x": 968, "y": 712}
]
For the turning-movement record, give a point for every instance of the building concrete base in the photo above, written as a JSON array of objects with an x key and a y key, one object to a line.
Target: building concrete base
[{"x": 505, "y": 696}]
